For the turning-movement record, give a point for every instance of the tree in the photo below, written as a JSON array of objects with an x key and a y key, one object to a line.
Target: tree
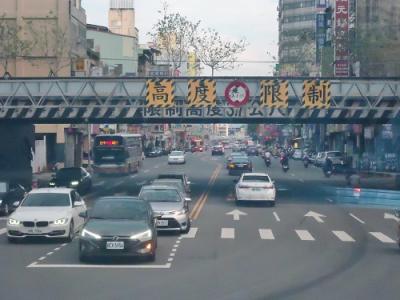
[
  {"x": 11, "y": 45},
  {"x": 174, "y": 34},
  {"x": 217, "y": 53},
  {"x": 51, "y": 42}
]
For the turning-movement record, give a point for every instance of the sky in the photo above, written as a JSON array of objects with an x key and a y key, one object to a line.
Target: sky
[{"x": 254, "y": 20}]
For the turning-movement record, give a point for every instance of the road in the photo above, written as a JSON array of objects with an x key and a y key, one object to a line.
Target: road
[{"x": 310, "y": 246}]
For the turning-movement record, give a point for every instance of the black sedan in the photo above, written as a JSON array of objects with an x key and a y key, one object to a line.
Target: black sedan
[
  {"x": 217, "y": 150},
  {"x": 119, "y": 226},
  {"x": 9, "y": 194},
  {"x": 75, "y": 178},
  {"x": 240, "y": 165},
  {"x": 252, "y": 151}
]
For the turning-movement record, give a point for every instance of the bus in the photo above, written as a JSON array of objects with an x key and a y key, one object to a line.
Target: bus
[{"x": 117, "y": 153}]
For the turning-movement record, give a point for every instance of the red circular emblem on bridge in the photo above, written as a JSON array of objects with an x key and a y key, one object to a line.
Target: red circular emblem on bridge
[{"x": 237, "y": 93}]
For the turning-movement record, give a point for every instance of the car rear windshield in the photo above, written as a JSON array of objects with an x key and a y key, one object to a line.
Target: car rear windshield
[
  {"x": 47, "y": 200},
  {"x": 176, "y": 153},
  {"x": 160, "y": 195},
  {"x": 259, "y": 178},
  {"x": 240, "y": 160},
  {"x": 170, "y": 176},
  {"x": 114, "y": 209},
  {"x": 69, "y": 173},
  {"x": 174, "y": 183}
]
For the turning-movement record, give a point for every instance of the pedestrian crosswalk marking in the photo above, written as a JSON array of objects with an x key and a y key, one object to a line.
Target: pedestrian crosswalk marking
[
  {"x": 383, "y": 238},
  {"x": 191, "y": 234},
  {"x": 266, "y": 234},
  {"x": 305, "y": 235},
  {"x": 227, "y": 233},
  {"x": 343, "y": 236}
]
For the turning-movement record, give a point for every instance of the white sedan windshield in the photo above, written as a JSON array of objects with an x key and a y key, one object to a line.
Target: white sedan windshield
[{"x": 51, "y": 199}]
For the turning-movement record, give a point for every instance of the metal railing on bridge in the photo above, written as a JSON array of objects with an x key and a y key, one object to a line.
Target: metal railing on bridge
[{"x": 200, "y": 100}]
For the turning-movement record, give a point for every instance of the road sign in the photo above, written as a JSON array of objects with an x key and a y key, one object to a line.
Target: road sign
[
  {"x": 237, "y": 93},
  {"x": 317, "y": 94},
  {"x": 274, "y": 93},
  {"x": 202, "y": 93},
  {"x": 160, "y": 93}
]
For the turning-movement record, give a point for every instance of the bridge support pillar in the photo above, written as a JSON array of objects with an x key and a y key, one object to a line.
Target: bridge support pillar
[
  {"x": 17, "y": 143},
  {"x": 73, "y": 147}
]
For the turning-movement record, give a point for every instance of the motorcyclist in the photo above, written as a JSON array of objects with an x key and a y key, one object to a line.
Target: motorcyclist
[
  {"x": 284, "y": 159},
  {"x": 328, "y": 166},
  {"x": 306, "y": 159},
  {"x": 268, "y": 154}
]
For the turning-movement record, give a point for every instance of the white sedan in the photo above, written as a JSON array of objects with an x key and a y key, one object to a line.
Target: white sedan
[
  {"x": 48, "y": 212},
  {"x": 255, "y": 187},
  {"x": 176, "y": 157}
]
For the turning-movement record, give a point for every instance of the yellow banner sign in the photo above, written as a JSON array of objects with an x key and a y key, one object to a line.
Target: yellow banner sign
[
  {"x": 160, "y": 93},
  {"x": 274, "y": 93},
  {"x": 202, "y": 93},
  {"x": 317, "y": 94}
]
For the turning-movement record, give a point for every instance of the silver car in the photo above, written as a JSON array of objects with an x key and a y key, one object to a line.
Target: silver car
[{"x": 170, "y": 204}]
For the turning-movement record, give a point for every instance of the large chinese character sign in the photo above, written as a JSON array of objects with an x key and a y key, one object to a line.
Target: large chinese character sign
[
  {"x": 160, "y": 93},
  {"x": 317, "y": 94},
  {"x": 202, "y": 93},
  {"x": 274, "y": 93}
]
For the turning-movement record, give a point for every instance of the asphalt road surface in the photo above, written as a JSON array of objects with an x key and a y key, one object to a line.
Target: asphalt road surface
[{"x": 311, "y": 245}]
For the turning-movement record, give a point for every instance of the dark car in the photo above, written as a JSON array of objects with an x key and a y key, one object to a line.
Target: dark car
[
  {"x": 180, "y": 176},
  {"x": 217, "y": 150},
  {"x": 119, "y": 226},
  {"x": 75, "y": 178},
  {"x": 252, "y": 151},
  {"x": 9, "y": 194},
  {"x": 155, "y": 152},
  {"x": 197, "y": 149},
  {"x": 240, "y": 165}
]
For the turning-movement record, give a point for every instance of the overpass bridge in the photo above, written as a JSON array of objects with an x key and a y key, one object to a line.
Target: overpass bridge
[{"x": 199, "y": 100}]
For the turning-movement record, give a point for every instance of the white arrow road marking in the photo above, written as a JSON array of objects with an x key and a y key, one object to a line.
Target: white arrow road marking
[
  {"x": 191, "y": 234},
  {"x": 236, "y": 214},
  {"x": 343, "y": 236},
  {"x": 357, "y": 219},
  {"x": 276, "y": 217},
  {"x": 317, "y": 216},
  {"x": 266, "y": 234},
  {"x": 383, "y": 238},
  {"x": 305, "y": 235},
  {"x": 3, "y": 231},
  {"x": 227, "y": 233},
  {"x": 391, "y": 217}
]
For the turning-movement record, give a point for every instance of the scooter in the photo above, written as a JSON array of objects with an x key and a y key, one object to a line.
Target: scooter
[
  {"x": 327, "y": 172},
  {"x": 267, "y": 162},
  {"x": 285, "y": 167}
]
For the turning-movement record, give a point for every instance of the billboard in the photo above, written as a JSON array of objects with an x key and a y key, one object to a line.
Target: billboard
[{"x": 342, "y": 38}]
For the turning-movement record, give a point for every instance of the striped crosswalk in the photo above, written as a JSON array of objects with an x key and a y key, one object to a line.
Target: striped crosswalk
[{"x": 267, "y": 234}]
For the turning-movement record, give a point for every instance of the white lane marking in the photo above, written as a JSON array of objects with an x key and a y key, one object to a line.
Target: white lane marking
[
  {"x": 276, "y": 216},
  {"x": 176, "y": 246},
  {"x": 133, "y": 176},
  {"x": 84, "y": 266},
  {"x": 382, "y": 237},
  {"x": 42, "y": 258},
  {"x": 292, "y": 175},
  {"x": 50, "y": 253},
  {"x": 301, "y": 180},
  {"x": 99, "y": 183},
  {"x": 266, "y": 234},
  {"x": 227, "y": 233},
  {"x": 343, "y": 236},
  {"x": 357, "y": 219},
  {"x": 65, "y": 244},
  {"x": 146, "y": 171},
  {"x": 170, "y": 259},
  {"x": 174, "y": 250},
  {"x": 57, "y": 249},
  {"x": 191, "y": 234},
  {"x": 3, "y": 231},
  {"x": 305, "y": 235},
  {"x": 172, "y": 254}
]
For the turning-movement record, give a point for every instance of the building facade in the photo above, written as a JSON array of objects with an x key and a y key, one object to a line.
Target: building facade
[
  {"x": 297, "y": 37},
  {"x": 118, "y": 54},
  {"x": 121, "y": 17}
]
